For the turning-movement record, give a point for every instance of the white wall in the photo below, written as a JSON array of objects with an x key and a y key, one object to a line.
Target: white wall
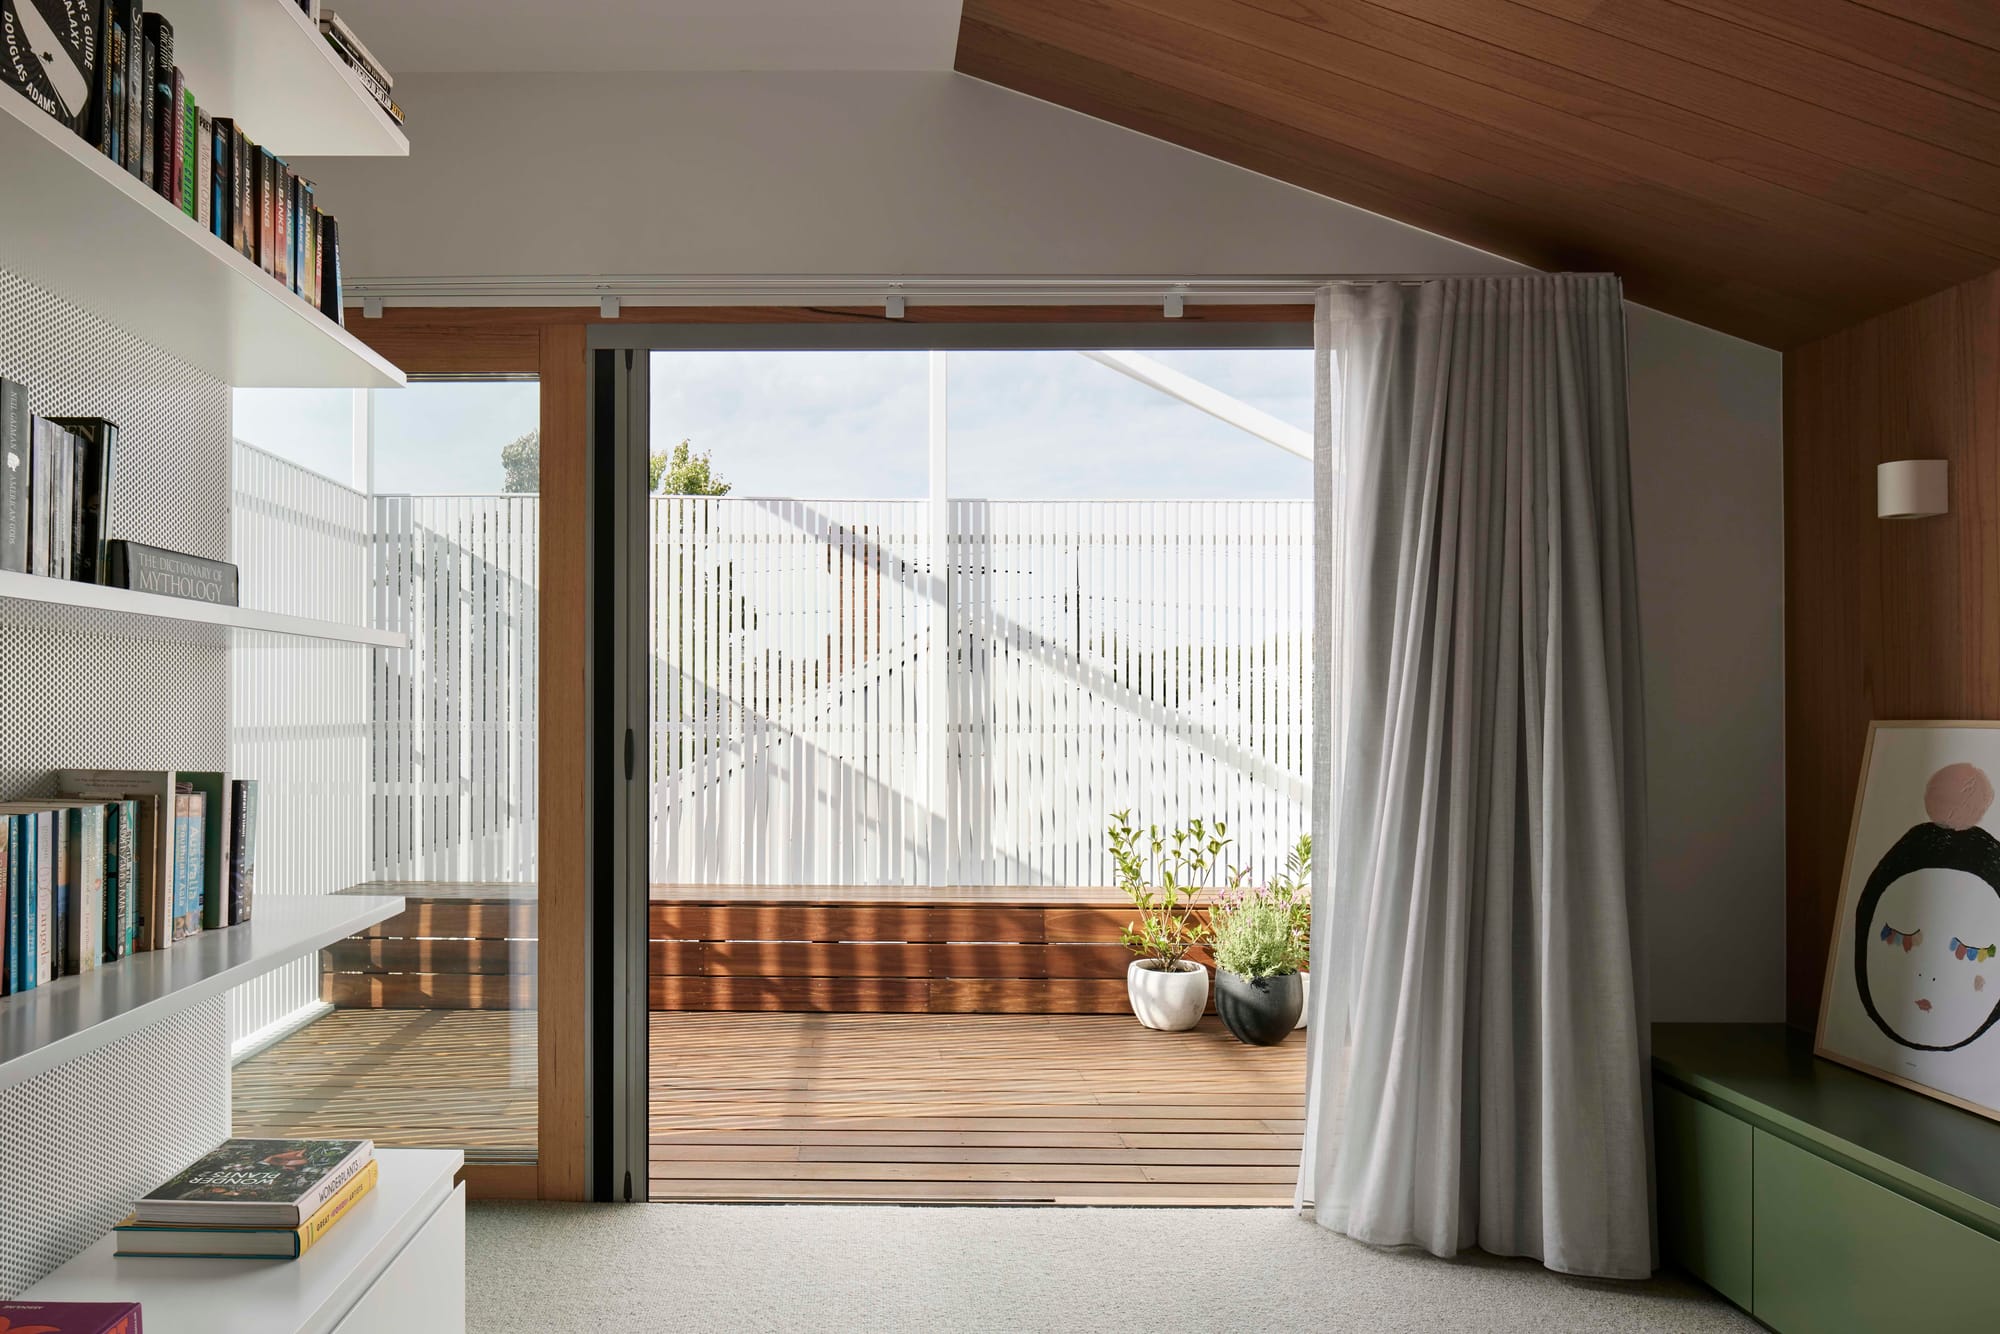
[{"x": 937, "y": 174}]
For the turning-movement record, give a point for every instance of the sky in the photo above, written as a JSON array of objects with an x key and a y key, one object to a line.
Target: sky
[{"x": 838, "y": 425}]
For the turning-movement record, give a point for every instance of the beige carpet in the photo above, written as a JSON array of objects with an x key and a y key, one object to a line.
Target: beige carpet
[{"x": 551, "y": 1267}]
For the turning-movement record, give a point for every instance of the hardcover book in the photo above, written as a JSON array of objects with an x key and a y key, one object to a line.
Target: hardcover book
[
  {"x": 222, "y": 180},
  {"x": 162, "y": 109},
  {"x": 121, "y": 868},
  {"x": 330, "y": 303},
  {"x": 258, "y": 1183},
  {"x": 83, "y": 923},
  {"x": 70, "y": 1317},
  {"x": 184, "y": 191},
  {"x": 204, "y": 170},
  {"x": 153, "y": 790},
  {"x": 191, "y": 822},
  {"x": 147, "y": 97},
  {"x": 133, "y": 97},
  {"x": 107, "y": 116},
  {"x": 96, "y": 461},
  {"x": 174, "y": 574},
  {"x": 242, "y": 849},
  {"x": 41, "y": 497},
  {"x": 266, "y": 1243},
  {"x": 15, "y": 469},
  {"x": 49, "y": 50}
]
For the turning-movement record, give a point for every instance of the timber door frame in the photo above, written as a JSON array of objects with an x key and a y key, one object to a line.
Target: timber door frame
[{"x": 553, "y": 344}]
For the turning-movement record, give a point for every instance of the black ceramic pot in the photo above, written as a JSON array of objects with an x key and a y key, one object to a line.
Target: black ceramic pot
[{"x": 1261, "y": 1011}]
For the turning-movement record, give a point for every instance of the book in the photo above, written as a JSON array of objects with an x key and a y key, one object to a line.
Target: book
[
  {"x": 242, "y": 849},
  {"x": 83, "y": 931},
  {"x": 15, "y": 470},
  {"x": 337, "y": 31},
  {"x": 97, "y": 457},
  {"x": 11, "y": 856},
  {"x": 63, "y": 894},
  {"x": 121, "y": 869},
  {"x": 241, "y": 179},
  {"x": 267, "y": 170},
  {"x": 265, "y": 1243},
  {"x": 257, "y": 1183},
  {"x": 192, "y": 819},
  {"x": 107, "y": 117},
  {"x": 58, "y": 512},
  {"x": 146, "y": 96},
  {"x": 281, "y": 213},
  {"x": 330, "y": 303},
  {"x": 187, "y": 195},
  {"x": 41, "y": 902},
  {"x": 71, "y": 1317},
  {"x": 204, "y": 169},
  {"x": 161, "y": 108},
  {"x": 132, "y": 98},
  {"x": 222, "y": 186},
  {"x": 154, "y": 791},
  {"x": 149, "y": 569},
  {"x": 49, "y": 52},
  {"x": 45, "y": 518}
]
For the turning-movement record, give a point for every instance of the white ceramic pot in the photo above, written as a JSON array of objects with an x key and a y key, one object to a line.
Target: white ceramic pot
[
  {"x": 1167, "y": 1001},
  {"x": 1306, "y": 990}
]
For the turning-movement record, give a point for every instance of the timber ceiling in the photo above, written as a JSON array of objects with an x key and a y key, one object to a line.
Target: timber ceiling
[{"x": 1774, "y": 168}]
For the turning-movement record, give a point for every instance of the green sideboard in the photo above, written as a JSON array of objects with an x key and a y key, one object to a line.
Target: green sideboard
[{"x": 1817, "y": 1198}]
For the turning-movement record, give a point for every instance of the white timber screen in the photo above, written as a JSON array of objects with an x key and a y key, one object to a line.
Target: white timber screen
[
  {"x": 453, "y": 718},
  {"x": 1100, "y": 656},
  {"x": 299, "y": 708}
]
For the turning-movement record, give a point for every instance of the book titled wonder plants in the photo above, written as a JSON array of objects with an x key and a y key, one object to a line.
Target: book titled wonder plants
[{"x": 257, "y": 1183}]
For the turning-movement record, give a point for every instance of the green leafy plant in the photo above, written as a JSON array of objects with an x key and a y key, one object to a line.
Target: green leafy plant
[
  {"x": 1258, "y": 936},
  {"x": 1263, "y": 930},
  {"x": 1164, "y": 873}
]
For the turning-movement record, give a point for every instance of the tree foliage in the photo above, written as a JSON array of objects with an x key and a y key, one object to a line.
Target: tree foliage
[
  {"x": 521, "y": 460},
  {"x": 683, "y": 473}
]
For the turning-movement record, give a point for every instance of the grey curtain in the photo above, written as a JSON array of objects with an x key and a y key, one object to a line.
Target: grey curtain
[{"x": 1479, "y": 1055}]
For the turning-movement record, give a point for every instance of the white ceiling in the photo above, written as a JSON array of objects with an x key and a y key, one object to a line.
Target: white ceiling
[{"x": 433, "y": 36}]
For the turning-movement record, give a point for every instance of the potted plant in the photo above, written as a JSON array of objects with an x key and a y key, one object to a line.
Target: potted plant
[
  {"x": 1164, "y": 873},
  {"x": 1293, "y": 884},
  {"x": 1259, "y": 990}
]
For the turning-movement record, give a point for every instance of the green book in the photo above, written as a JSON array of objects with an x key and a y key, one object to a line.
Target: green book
[
  {"x": 190, "y": 123},
  {"x": 257, "y": 1183}
]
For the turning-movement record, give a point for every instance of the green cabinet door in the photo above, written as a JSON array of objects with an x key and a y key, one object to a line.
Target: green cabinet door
[
  {"x": 1836, "y": 1252},
  {"x": 1704, "y": 1180}
]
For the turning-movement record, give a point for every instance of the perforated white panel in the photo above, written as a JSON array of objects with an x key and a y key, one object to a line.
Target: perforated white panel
[
  {"x": 83, "y": 1141},
  {"x": 79, "y": 1144}
]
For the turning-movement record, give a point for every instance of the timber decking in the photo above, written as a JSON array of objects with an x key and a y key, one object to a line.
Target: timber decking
[{"x": 898, "y": 1108}]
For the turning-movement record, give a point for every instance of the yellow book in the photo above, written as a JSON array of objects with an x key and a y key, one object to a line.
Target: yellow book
[{"x": 277, "y": 1243}]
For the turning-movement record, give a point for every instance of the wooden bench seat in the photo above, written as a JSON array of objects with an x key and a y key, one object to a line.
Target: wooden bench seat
[{"x": 955, "y": 950}]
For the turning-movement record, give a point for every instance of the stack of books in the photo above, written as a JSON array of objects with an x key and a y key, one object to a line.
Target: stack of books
[
  {"x": 126, "y": 860},
  {"x": 253, "y": 1199},
  {"x": 55, "y": 489},
  {"x": 106, "y": 70},
  {"x": 371, "y": 72}
]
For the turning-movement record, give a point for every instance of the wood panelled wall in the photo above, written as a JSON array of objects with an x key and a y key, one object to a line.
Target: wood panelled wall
[{"x": 1883, "y": 618}]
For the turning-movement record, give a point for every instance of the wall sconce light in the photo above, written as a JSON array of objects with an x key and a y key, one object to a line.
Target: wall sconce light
[{"x": 1910, "y": 489}]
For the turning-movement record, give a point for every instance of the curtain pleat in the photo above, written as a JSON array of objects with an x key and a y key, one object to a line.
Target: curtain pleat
[{"x": 1478, "y": 1063}]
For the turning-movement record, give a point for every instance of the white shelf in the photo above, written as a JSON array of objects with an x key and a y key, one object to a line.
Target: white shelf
[
  {"x": 313, "y": 1292},
  {"x": 41, "y": 1029},
  {"x": 71, "y": 605},
  {"x": 266, "y": 64},
  {"x": 86, "y": 229}
]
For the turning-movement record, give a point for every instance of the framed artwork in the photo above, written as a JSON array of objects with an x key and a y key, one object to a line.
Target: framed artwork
[{"x": 1913, "y": 970}]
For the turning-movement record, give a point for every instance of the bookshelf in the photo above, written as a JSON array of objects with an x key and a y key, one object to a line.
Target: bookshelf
[
  {"x": 72, "y": 1016},
  {"x": 80, "y": 225},
  {"x": 397, "y": 1262},
  {"x": 265, "y": 63},
  {"x": 67, "y": 604}
]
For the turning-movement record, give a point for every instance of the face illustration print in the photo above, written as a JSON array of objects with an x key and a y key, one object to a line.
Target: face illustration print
[
  {"x": 1927, "y": 927},
  {"x": 1931, "y": 966}
]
